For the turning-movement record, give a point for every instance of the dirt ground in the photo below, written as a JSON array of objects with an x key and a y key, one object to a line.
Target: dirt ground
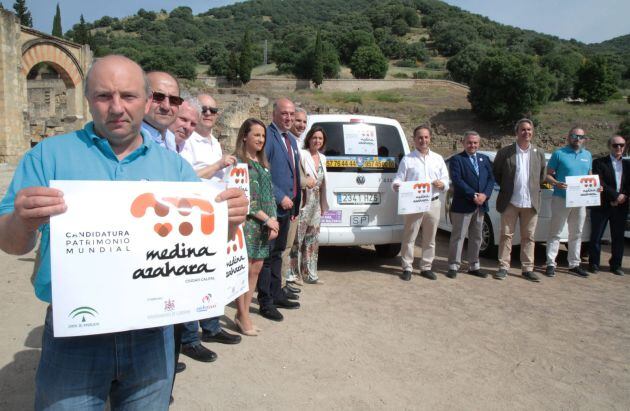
[{"x": 367, "y": 340}]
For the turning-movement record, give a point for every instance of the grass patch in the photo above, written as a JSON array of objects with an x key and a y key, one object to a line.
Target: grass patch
[
  {"x": 348, "y": 97},
  {"x": 387, "y": 96}
]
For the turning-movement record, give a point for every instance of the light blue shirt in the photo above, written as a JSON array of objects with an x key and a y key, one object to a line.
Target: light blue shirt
[
  {"x": 167, "y": 142},
  {"x": 82, "y": 155},
  {"x": 567, "y": 162}
]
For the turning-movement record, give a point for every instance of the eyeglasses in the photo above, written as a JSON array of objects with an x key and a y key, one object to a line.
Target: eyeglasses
[
  {"x": 578, "y": 137},
  {"x": 172, "y": 100},
  {"x": 619, "y": 145},
  {"x": 205, "y": 109}
]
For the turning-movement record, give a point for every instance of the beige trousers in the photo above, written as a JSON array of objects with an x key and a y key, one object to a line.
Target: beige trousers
[
  {"x": 428, "y": 222},
  {"x": 286, "y": 261},
  {"x": 528, "y": 219}
]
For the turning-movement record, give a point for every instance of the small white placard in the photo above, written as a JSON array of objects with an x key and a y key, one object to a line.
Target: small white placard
[
  {"x": 583, "y": 191},
  {"x": 414, "y": 197},
  {"x": 360, "y": 139}
]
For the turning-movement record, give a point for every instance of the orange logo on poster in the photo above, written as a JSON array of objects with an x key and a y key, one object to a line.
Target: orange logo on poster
[
  {"x": 422, "y": 187},
  {"x": 588, "y": 182},
  {"x": 183, "y": 205},
  {"x": 238, "y": 242},
  {"x": 239, "y": 174}
]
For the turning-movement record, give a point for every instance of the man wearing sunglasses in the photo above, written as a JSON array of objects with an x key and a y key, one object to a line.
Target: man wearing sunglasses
[
  {"x": 614, "y": 176},
  {"x": 163, "y": 109},
  {"x": 570, "y": 160},
  {"x": 202, "y": 149}
]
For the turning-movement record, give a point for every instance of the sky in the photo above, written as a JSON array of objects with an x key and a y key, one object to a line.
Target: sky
[{"x": 588, "y": 21}]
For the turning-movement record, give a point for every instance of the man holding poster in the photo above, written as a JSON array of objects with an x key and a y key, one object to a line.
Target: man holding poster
[
  {"x": 133, "y": 368},
  {"x": 568, "y": 161},
  {"x": 421, "y": 166}
]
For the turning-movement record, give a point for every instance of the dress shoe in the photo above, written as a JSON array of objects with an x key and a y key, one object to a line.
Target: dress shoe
[
  {"x": 406, "y": 275},
  {"x": 315, "y": 281},
  {"x": 180, "y": 367},
  {"x": 501, "y": 274},
  {"x": 271, "y": 313},
  {"x": 451, "y": 273},
  {"x": 478, "y": 273},
  {"x": 222, "y": 337},
  {"x": 292, "y": 288},
  {"x": 286, "y": 303},
  {"x": 617, "y": 271},
  {"x": 171, "y": 400},
  {"x": 579, "y": 271},
  {"x": 531, "y": 276},
  {"x": 250, "y": 333},
  {"x": 594, "y": 269},
  {"x": 291, "y": 296},
  {"x": 199, "y": 353},
  {"x": 550, "y": 271},
  {"x": 428, "y": 274}
]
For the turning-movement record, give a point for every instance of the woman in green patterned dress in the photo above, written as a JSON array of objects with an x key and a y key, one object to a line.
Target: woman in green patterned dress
[{"x": 261, "y": 224}]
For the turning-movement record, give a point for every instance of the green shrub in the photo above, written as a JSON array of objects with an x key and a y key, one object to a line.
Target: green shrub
[
  {"x": 406, "y": 63},
  {"x": 400, "y": 75},
  {"x": 420, "y": 74},
  {"x": 387, "y": 97},
  {"x": 348, "y": 97}
]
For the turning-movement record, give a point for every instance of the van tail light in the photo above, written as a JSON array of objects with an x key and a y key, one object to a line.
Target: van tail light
[{"x": 356, "y": 120}]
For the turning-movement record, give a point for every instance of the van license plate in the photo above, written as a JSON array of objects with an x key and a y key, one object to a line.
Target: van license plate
[
  {"x": 359, "y": 219},
  {"x": 358, "y": 198}
]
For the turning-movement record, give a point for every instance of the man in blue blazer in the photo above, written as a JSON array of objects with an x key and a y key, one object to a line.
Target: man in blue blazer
[
  {"x": 284, "y": 159},
  {"x": 472, "y": 182}
]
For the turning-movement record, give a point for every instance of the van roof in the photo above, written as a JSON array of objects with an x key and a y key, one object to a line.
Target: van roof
[{"x": 349, "y": 118}]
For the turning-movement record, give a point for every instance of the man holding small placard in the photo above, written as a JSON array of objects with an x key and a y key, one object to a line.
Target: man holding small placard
[
  {"x": 568, "y": 161},
  {"x": 424, "y": 167}
]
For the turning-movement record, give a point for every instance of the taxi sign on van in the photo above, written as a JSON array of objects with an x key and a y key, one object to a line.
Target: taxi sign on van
[{"x": 362, "y": 162}]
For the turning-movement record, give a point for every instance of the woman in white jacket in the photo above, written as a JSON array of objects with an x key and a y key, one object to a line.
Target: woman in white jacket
[{"x": 305, "y": 248}]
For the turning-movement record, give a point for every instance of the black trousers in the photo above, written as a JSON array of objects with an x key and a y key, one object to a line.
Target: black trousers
[
  {"x": 270, "y": 278},
  {"x": 599, "y": 219}
]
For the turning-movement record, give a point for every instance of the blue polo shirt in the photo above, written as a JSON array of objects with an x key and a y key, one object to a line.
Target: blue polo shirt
[
  {"x": 82, "y": 155},
  {"x": 567, "y": 162}
]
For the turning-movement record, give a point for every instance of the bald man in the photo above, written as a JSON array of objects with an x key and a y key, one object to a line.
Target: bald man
[
  {"x": 203, "y": 150},
  {"x": 185, "y": 123},
  {"x": 163, "y": 109},
  {"x": 133, "y": 368}
]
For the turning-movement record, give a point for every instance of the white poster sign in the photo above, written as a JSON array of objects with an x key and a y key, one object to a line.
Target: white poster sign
[
  {"x": 237, "y": 268},
  {"x": 132, "y": 255},
  {"x": 583, "y": 191},
  {"x": 360, "y": 139},
  {"x": 414, "y": 197},
  {"x": 238, "y": 176}
]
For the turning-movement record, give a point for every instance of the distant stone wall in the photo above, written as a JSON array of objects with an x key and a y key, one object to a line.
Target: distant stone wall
[{"x": 270, "y": 84}]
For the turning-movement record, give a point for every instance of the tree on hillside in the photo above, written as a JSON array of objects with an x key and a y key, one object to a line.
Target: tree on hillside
[
  {"x": 318, "y": 61},
  {"x": 232, "y": 68},
  {"x": 452, "y": 37},
  {"x": 22, "y": 12},
  {"x": 564, "y": 65},
  {"x": 464, "y": 64},
  {"x": 246, "y": 60},
  {"x": 506, "y": 87},
  {"x": 80, "y": 32},
  {"x": 56, "y": 29},
  {"x": 368, "y": 62},
  {"x": 348, "y": 43},
  {"x": 595, "y": 81}
]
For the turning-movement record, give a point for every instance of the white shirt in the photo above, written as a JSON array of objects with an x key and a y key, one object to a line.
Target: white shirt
[
  {"x": 156, "y": 135},
  {"x": 201, "y": 152},
  {"x": 618, "y": 166},
  {"x": 418, "y": 167},
  {"x": 520, "y": 196}
]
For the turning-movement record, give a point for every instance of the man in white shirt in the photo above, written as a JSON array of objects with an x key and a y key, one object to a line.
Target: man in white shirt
[
  {"x": 299, "y": 126},
  {"x": 185, "y": 123},
  {"x": 519, "y": 169},
  {"x": 421, "y": 165},
  {"x": 202, "y": 150},
  {"x": 163, "y": 108}
]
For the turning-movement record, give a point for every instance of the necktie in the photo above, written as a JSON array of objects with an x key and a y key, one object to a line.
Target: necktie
[
  {"x": 291, "y": 160},
  {"x": 473, "y": 158}
]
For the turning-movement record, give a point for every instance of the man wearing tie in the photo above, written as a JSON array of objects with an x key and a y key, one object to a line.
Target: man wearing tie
[
  {"x": 614, "y": 176},
  {"x": 284, "y": 159},
  {"x": 472, "y": 182}
]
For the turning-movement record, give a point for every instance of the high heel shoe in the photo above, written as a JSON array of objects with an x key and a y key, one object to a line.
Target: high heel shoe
[{"x": 250, "y": 333}]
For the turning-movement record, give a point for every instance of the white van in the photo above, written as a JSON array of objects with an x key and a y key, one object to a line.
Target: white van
[{"x": 362, "y": 157}]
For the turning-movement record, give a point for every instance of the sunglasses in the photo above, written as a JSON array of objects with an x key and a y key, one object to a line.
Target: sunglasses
[
  {"x": 172, "y": 100},
  {"x": 206, "y": 109},
  {"x": 620, "y": 145},
  {"x": 578, "y": 137}
]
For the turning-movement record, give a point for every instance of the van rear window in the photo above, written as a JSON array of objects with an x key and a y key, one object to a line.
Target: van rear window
[{"x": 362, "y": 147}]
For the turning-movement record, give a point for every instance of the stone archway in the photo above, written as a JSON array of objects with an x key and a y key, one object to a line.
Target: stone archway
[{"x": 22, "y": 49}]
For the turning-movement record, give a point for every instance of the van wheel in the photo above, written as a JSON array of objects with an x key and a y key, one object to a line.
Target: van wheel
[
  {"x": 387, "y": 250},
  {"x": 488, "y": 249}
]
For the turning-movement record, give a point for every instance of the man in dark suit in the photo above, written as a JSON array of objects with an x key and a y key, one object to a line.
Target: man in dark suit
[
  {"x": 472, "y": 182},
  {"x": 519, "y": 169},
  {"x": 614, "y": 176},
  {"x": 284, "y": 159}
]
